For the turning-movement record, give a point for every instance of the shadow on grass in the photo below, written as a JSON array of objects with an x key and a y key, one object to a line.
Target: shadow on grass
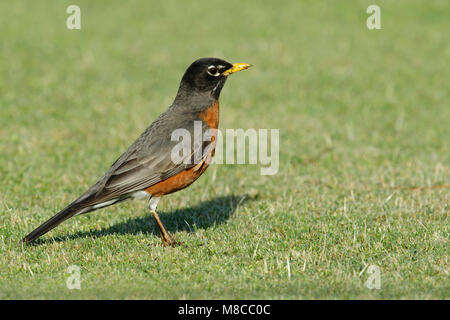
[{"x": 202, "y": 216}]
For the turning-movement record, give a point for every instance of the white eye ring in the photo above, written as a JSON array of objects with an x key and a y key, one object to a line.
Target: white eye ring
[{"x": 214, "y": 71}]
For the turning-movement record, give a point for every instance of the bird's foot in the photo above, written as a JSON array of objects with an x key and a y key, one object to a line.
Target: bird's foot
[{"x": 168, "y": 241}]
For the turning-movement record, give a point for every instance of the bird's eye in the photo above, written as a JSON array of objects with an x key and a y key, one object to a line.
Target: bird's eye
[{"x": 212, "y": 70}]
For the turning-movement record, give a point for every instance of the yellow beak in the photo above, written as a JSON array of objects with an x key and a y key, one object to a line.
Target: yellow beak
[{"x": 235, "y": 68}]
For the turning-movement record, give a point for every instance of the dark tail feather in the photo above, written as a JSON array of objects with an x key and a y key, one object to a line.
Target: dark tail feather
[
  {"x": 80, "y": 206},
  {"x": 60, "y": 217}
]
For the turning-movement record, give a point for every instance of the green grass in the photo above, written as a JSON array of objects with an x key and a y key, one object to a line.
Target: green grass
[{"x": 364, "y": 116}]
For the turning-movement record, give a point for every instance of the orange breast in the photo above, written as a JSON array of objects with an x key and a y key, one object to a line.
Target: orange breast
[
  {"x": 180, "y": 181},
  {"x": 177, "y": 182},
  {"x": 211, "y": 116}
]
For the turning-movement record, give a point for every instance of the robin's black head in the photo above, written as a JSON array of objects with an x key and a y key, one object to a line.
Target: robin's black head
[{"x": 207, "y": 76}]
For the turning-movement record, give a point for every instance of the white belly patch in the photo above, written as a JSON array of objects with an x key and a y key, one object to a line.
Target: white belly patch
[{"x": 140, "y": 195}]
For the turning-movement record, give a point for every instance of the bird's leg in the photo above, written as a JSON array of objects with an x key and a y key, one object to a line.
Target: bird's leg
[{"x": 165, "y": 236}]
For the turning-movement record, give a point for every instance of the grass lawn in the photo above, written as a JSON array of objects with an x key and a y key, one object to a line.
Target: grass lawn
[{"x": 364, "y": 177}]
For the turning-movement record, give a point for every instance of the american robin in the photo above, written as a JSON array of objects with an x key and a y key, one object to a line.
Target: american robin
[{"x": 147, "y": 169}]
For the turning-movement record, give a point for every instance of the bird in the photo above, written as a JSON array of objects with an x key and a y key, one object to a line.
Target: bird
[{"x": 147, "y": 170}]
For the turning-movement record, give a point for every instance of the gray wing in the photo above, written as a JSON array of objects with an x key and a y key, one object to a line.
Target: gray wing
[{"x": 146, "y": 162}]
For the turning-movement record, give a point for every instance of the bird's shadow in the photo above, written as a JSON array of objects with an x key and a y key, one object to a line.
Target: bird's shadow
[{"x": 202, "y": 216}]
